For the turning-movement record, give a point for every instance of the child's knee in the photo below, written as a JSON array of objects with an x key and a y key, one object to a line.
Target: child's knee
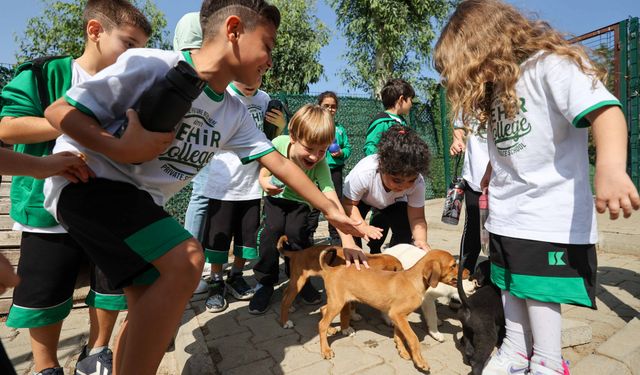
[{"x": 185, "y": 260}]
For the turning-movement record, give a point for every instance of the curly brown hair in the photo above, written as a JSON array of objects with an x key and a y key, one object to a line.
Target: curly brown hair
[
  {"x": 401, "y": 152},
  {"x": 480, "y": 51}
]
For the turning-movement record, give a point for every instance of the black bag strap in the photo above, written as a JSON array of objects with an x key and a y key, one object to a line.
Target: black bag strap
[{"x": 37, "y": 66}]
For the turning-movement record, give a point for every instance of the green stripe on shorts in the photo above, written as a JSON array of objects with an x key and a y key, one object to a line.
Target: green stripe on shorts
[
  {"x": 157, "y": 239},
  {"x": 23, "y": 317},
  {"x": 569, "y": 290},
  {"x": 112, "y": 302},
  {"x": 216, "y": 256},
  {"x": 245, "y": 252}
]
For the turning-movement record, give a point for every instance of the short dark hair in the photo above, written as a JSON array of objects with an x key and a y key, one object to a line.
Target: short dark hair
[
  {"x": 252, "y": 13},
  {"x": 328, "y": 94},
  {"x": 115, "y": 13},
  {"x": 393, "y": 89},
  {"x": 401, "y": 152}
]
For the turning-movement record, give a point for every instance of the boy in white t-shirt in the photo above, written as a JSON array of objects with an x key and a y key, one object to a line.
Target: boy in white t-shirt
[
  {"x": 118, "y": 216},
  {"x": 391, "y": 183},
  {"x": 233, "y": 197}
]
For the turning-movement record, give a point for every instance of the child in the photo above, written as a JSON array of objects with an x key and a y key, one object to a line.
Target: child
[
  {"x": 11, "y": 163},
  {"x": 473, "y": 168},
  {"x": 391, "y": 182},
  {"x": 311, "y": 131},
  {"x": 231, "y": 182},
  {"x": 126, "y": 231},
  {"x": 335, "y": 159},
  {"x": 49, "y": 258},
  {"x": 397, "y": 97},
  {"x": 234, "y": 194},
  {"x": 536, "y": 94}
]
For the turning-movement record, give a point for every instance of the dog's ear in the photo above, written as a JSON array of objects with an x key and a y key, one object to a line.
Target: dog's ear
[{"x": 432, "y": 272}]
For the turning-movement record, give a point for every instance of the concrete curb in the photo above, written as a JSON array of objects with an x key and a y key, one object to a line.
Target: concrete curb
[
  {"x": 191, "y": 351},
  {"x": 619, "y": 355}
]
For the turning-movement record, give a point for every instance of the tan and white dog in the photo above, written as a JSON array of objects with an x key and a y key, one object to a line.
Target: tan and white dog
[{"x": 409, "y": 255}]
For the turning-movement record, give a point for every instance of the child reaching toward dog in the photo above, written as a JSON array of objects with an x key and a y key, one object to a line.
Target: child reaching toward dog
[
  {"x": 311, "y": 131},
  {"x": 392, "y": 183},
  {"x": 536, "y": 94},
  {"x": 127, "y": 233}
]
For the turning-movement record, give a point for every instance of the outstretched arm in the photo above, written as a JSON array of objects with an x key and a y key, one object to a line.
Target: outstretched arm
[{"x": 294, "y": 178}]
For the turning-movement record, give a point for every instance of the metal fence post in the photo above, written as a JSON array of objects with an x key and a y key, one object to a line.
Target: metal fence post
[{"x": 444, "y": 123}]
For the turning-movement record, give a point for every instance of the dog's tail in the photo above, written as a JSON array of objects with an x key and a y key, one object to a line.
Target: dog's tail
[
  {"x": 283, "y": 245},
  {"x": 461, "y": 293},
  {"x": 332, "y": 253}
]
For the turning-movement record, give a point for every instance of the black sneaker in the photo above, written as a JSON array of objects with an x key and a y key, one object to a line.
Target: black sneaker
[
  {"x": 99, "y": 363},
  {"x": 52, "y": 371},
  {"x": 261, "y": 300},
  {"x": 238, "y": 287},
  {"x": 310, "y": 295},
  {"x": 216, "y": 302}
]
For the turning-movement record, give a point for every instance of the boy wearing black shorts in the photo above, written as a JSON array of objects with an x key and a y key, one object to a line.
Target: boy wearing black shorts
[
  {"x": 117, "y": 217},
  {"x": 50, "y": 259}
]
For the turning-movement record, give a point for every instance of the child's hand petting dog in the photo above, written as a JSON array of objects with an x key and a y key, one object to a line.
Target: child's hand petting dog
[
  {"x": 355, "y": 256},
  {"x": 422, "y": 244}
]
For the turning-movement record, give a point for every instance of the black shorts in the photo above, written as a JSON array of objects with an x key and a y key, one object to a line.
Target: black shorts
[
  {"x": 120, "y": 227},
  {"x": 48, "y": 268},
  {"x": 544, "y": 271},
  {"x": 231, "y": 219}
]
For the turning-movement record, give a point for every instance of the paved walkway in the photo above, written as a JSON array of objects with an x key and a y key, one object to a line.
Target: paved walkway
[{"x": 603, "y": 341}]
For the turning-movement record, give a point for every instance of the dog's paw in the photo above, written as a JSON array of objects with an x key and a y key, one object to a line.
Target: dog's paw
[
  {"x": 355, "y": 316},
  {"x": 327, "y": 353},
  {"x": 348, "y": 332},
  {"x": 332, "y": 331},
  {"x": 288, "y": 324},
  {"x": 437, "y": 336},
  {"x": 292, "y": 308},
  {"x": 422, "y": 364}
]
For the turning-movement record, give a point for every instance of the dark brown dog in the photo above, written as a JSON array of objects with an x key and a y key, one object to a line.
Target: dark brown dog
[
  {"x": 395, "y": 293},
  {"x": 304, "y": 264}
]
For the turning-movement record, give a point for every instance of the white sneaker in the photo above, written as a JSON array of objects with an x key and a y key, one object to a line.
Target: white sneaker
[
  {"x": 202, "y": 287},
  {"x": 502, "y": 363},
  {"x": 536, "y": 368}
]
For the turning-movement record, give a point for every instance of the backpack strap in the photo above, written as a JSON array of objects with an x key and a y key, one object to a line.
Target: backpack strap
[{"x": 37, "y": 66}]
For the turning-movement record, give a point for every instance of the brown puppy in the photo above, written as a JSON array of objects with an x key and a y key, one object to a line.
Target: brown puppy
[
  {"x": 304, "y": 264},
  {"x": 395, "y": 293}
]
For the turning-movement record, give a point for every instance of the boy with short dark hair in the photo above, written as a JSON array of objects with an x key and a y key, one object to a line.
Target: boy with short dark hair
[
  {"x": 50, "y": 259},
  {"x": 118, "y": 217},
  {"x": 397, "y": 95}
]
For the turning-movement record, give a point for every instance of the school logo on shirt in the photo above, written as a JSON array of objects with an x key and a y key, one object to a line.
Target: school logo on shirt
[
  {"x": 256, "y": 114},
  {"x": 508, "y": 133},
  {"x": 191, "y": 149}
]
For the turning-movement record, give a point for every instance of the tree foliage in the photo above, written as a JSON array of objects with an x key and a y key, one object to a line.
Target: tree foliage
[
  {"x": 295, "y": 58},
  {"x": 388, "y": 39},
  {"x": 58, "y": 31}
]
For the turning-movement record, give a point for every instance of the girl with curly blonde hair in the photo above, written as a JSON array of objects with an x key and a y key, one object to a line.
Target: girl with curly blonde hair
[{"x": 536, "y": 94}]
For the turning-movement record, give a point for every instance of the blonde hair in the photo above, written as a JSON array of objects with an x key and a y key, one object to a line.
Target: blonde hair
[
  {"x": 480, "y": 51},
  {"x": 313, "y": 125}
]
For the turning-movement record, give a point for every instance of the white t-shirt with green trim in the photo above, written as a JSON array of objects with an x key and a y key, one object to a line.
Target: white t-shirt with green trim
[
  {"x": 540, "y": 188},
  {"x": 227, "y": 178},
  {"x": 214, "y": 122},
  {"x": 364, "y": 183}
]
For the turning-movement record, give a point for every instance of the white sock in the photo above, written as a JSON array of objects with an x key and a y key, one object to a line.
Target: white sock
[
  {"x": 517, "y": 328},
  {"x": 546, "y": 325},
  {"x": 95, "y": 350},
  {"x": 216, "y": 276}
]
